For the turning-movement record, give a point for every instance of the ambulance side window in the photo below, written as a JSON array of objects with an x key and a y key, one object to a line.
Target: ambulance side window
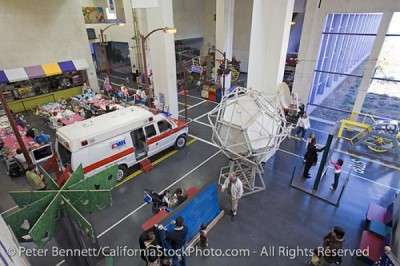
[
  {"x": 150, "y": 131},
  {"x": 163, "y": 125}
]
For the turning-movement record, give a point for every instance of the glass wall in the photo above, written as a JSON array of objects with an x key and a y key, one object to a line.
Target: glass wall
[
  {"x": 383, "y": 97},
  {"x": 345, "y": 45}
]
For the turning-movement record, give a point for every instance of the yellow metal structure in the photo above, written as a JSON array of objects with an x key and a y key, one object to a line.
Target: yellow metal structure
[{"x": 350, "y": 126}]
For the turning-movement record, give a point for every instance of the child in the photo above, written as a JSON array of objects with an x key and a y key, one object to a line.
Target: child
[
  {"x": 303, "y": 124},
  {"x": 166, "y": 198},
  {"x": 203, "y": 235},
  {"x": 337, "y": 166},
  {"x": 316, "y": 258}
]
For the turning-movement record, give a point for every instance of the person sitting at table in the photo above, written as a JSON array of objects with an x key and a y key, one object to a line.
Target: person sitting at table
[
  {"x": 109, "y": 110},
  {"x": 84, "y": 88},
  {"x": 62, "y": 101},
  {"x": 41, "y": 138},
  {"x": 35, "y": 180},
  {"x": 19, "y": 121},
  {"x": 39, "y": 110},
  {"x": 30, "y": 131},
  {"x": 20, "y": 157},
  {"x": 84, "y": 101},
  {"x": 53, "y": 120}
]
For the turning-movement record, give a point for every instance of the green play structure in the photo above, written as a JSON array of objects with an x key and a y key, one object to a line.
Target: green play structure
[{"x": 40, "y": 211}]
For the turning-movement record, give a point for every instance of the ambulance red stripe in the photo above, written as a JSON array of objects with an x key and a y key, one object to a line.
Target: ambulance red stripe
[{"x": 108, "y": 160}]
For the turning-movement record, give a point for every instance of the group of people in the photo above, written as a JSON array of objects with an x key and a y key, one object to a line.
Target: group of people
[
  {"x": 151, "y": 250},
  {"x": 311, "y": 155}
]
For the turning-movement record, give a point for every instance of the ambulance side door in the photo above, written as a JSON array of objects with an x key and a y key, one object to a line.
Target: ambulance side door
[
  {"x": 152, "y": 139},
  {"x": 167, "y": 139}
]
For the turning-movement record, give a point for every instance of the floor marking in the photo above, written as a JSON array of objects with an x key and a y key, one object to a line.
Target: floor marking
[
  {"x": 61, "y": 262},
  {"x": 144, "y": 204},
  {"x": 372, "y": 181},
  {"x": 126, "y": 179},
  {"x": 369, "y": 160},
  {"x": 194, "y": 105},
  {"x": 291, "y": 153},
  {"x": 200, "y": 116},
  {"x": 204, "y": 124},
  {"x": 112, "y": 76},
  {"x": 203, "y": 140},
  {"x": 184, "y": 105},
  {"x": 121, "y": 220},
  {"x": 201, "y": 99},
  {"x": 9, "y": 210}
]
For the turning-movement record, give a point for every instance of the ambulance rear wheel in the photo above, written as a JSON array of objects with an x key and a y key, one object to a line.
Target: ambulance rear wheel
[
  {"x": 121, "y": 172},
  {"x": 180, "y": 142}
]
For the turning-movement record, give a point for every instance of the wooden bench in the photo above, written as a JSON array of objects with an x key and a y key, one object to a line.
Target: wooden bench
[{"x": 380, "y": 214}]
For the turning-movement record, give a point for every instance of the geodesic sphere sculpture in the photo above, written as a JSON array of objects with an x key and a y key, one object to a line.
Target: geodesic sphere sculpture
[{"x": 248, "y": 125}]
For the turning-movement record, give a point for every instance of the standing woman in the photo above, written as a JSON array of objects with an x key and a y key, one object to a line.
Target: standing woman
[
  {"x": 311, "y": 157},
  {"x": 303, "y": 124}
]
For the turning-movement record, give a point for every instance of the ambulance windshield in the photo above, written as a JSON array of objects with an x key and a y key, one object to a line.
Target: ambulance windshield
[{"x": 65, "y": 155}]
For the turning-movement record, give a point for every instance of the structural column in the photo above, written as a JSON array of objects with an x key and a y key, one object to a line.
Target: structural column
[
  {"x": 374, "y": 55},
  {"x": 270, "y": 29},
  {"x": 224, "y": 34},
  {"x": 162, "y": 55}
]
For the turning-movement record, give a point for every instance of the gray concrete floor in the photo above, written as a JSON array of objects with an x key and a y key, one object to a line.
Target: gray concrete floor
[{"x": 281, "y": 216}]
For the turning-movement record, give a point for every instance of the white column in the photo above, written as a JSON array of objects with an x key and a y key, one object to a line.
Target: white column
[
  {"x": 374, "y": 55},
  {"x": 162, "y": 50},
  {"x": 270, "y": 28},
  {"x": 224, "y": 34}
]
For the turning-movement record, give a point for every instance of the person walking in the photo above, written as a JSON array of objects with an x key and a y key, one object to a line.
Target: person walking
[
  {"x": 311, "y": 157},
  {"x": 333, "y": 243},
  {"x": 337, "y": 169},
  {"x": 234, "y": 188}
]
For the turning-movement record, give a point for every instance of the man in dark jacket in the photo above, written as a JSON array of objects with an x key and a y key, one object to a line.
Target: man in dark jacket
[
  {"x": 177, "y": 238},
  {"x": 333, "y": 244},
  {"x": 311, "y": 157}
]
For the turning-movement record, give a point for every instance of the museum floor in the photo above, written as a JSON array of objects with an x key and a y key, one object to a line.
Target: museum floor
[{"x": 281, "y": 216}]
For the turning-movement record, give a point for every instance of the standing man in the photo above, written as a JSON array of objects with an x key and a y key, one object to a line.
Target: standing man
[
  {"x": 235, "y": 191},
  {"x": 135, "y": 73},
  {"x": 311, "y": 157},
  {"x": 177, "y": 238}
]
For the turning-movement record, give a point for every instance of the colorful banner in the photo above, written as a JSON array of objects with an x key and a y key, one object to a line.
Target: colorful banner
[
  {"x": 49, "y": 69},
  {"x": 93, "y": 14}
]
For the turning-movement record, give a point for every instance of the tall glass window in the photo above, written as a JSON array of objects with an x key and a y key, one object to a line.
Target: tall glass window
[
  {"x": 345, "y": 45},
  {"x": 383, "y": 97}
]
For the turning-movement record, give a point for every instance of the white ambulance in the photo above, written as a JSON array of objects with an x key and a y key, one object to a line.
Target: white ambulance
[{"x": 123, "y": 137}]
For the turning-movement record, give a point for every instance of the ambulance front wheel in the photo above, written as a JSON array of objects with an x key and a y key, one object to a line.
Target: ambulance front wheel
[
  {"x": 180, "y": 142},
  {"x": 121, "y": 172}
]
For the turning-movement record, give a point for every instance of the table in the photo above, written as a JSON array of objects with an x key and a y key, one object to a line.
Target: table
[
  {"x": 52, "y": 107},
  {"x": 10, "y": 141},
  {"x": 71, "y": 119},
  {"x": 102, "y": 103}
]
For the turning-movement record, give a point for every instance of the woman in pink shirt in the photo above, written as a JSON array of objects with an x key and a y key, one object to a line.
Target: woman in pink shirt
[{"x": 337, "y": 169}]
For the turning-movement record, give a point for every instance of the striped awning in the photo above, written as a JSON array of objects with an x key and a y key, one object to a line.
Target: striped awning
[
  {"x": 35, "y": 72},
  {"x": 44, "y": 70},
  {"x": 16, "y": 74}
]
